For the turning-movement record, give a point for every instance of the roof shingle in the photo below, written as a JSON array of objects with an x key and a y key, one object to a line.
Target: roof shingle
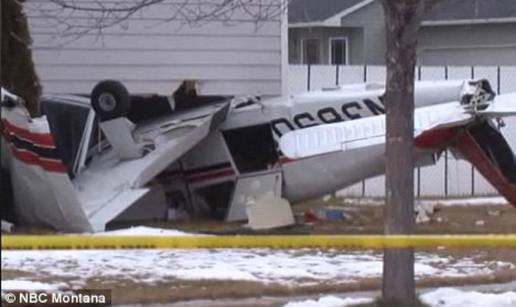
[
  {"x": 445, "y": 10},
  {"x": 317, "y": 10},
  {"x": 472, "y": 9}
]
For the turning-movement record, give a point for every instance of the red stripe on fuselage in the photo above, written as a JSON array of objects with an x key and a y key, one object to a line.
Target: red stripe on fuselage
[
  {"x": 31, "y": 158},
  {"x": 39, "y": 139},
  {"x": 210, "y": 175},
  {"x": 198, "y": 176}
]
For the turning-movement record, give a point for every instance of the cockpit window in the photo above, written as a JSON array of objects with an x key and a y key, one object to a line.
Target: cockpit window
[
  {"x": 253, "y": 148},
  {"x": 67, "y": 123}
]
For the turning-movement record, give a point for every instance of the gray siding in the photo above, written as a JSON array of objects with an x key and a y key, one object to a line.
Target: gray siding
[
  {"x": 364, "y": 29},
  {"x": 475, "y": 44},
  {"x": 370, "y": 18},
  {"x": 483, "y": 44},
  {"x": 152, "y": 55},
  {"x": 354, "y": 36}
]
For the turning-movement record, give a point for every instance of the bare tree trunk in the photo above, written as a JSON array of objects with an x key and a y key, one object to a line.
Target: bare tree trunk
[
  {"x": 18, "y": 72},
  {"x": 1, "y": 21},
  {"x": 402, "y": 19}
]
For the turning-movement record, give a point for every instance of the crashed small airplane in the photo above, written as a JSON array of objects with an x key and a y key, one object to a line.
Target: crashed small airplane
[{"x": 113, "y": 157}]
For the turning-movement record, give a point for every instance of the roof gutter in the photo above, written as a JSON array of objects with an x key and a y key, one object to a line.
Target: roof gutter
[
  {"x": 333, "y": 21},
  {"x": 454, "y": 22}
]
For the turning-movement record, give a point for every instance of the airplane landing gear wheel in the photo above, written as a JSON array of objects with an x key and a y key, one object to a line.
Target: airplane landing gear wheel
[{"x": 110, "y": 99}]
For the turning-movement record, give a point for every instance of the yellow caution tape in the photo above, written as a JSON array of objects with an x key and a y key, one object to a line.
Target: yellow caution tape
[{"x": 22, "y": 242}]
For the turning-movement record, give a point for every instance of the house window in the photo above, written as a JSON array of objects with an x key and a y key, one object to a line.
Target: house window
[
  {"x": 339, "y": 50},
  {"x": 311, "y": 51}
]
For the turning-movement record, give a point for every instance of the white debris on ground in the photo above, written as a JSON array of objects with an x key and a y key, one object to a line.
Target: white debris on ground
[
  {"x": 441, "y": 297},
  {"x": 331, "y": 301},
  {"x": 6, "y": 226},
  {"x": 146, "y": 231},
  {"x": 287, "y": 267},
  {"x": 450, "y": 297},
  {"x": 27, "y": 285}
]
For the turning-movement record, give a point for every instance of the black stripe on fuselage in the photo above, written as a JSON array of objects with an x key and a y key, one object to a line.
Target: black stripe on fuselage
[
  {"x": 198, "y": 170},
  {"x": 43, "y": 152},
  {"x": 208, "y": 168},
  {"x": 329, "y": 114}
]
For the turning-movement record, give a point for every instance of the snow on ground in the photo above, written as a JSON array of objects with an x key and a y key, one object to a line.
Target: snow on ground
[
  {"x": 473, "y": 201},
  {"x": 330, "y": 301},
  {"x": 145, "y": 231},
  {"x": 11, "y": 285},
  {"x": 441, "y": 297},
  {"x": 288, "y": 267},
  {"x": 450, "y": 297}
]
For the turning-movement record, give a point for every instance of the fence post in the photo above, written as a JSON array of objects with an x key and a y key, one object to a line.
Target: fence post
[
  {"x": 446, "y": 77},
  {"x": 308, "y": 77},
  {"x": 472, "y": 166},
  {"x": 363, "y": 181},
  {"x": 419, "y": 167},
  {"x": 446, "y": 172},
  {"x": 498, "y": 81},
  {"x": 418, "y": 182},
  {"x": 337, "y": 75}
]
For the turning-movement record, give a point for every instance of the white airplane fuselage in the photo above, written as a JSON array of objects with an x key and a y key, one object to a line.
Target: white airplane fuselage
[
  {"x": 319, "y": 175},
  {"x": 235, "y": 160}
]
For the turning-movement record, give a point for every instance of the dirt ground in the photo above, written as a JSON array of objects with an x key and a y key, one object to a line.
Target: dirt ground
[
  {"x": 360, "y": 219},
  {"x": 367, "y": 218}
]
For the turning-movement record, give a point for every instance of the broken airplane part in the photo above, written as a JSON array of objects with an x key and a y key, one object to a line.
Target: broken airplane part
[{"x": 118, "y": 157}]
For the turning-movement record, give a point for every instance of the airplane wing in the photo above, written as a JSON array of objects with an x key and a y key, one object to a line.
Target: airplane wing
[
  {"x": 503, "y": 105},
  {"x": 371, "y": 131},
  {"x": 105, "y": 183},
  {"x": 110, "y": 185}
]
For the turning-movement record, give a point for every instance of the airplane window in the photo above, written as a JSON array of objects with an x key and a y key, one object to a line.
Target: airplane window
[
  {"x": 67, "y": 122},
  {"x": 252, "y": 148}
]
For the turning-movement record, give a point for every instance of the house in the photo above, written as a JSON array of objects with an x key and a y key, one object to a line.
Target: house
[
  {"x": 455, "y": 32},
  {"x": 229, "y": 52}
]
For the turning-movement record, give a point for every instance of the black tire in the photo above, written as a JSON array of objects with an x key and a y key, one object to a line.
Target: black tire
[{"x": 110, "y": 99}]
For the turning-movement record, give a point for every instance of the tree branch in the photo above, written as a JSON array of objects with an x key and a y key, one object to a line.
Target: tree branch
[{"x": 79, "y": 19}]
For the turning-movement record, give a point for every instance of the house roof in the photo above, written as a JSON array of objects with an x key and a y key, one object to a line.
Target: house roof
[
  {"x": 445, "y": 12},
  {"x": 307, "y": 11},
  {"x": 448, "y": 10}
]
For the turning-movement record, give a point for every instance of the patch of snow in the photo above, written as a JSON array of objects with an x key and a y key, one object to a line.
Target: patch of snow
[
  {"x": 145, "y": 231},
  {"x": 288, "y": 267},
  {"x": 363, "y": 201},
  {"x": 326, "y": 198},
  {"x": 331, "y": 301},
  {"x": 474, "y": 201},
  {"x": 451, "y": 297},
  {"x": 441, "y": 297},
  {"x": 27, "y": 285}
]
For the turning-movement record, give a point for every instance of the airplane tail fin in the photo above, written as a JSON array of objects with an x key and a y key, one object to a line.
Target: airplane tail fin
[
  {"x": 42, "y": 190},
  {"x": 487, "y": 149}
]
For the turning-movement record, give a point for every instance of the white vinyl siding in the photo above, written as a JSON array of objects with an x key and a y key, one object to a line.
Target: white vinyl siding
[{"x": 152, "y": 55}]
